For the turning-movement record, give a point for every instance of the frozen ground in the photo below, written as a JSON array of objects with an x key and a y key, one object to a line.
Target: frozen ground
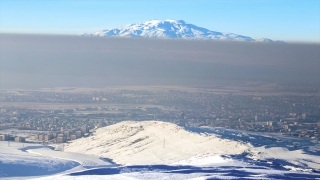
[
  {"x": 291, "y": 152},
  {"x": 14, "y": 162},
  {"x": 21, "y": 160},
  {"x": 158, "y": 150},
  {"x": 182, "y": 172}
]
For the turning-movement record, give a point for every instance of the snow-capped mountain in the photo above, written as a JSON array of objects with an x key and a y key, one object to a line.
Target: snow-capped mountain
[
  {"x": 268, "y": 40},
  {"x": 171, "y": 29}
]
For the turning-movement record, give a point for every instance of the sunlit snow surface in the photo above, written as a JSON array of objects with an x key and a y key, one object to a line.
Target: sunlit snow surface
[
  {"x": 15, "y": 162},
  {"x": 269, "y": 157},
  {"x": 169, "y": 29}
]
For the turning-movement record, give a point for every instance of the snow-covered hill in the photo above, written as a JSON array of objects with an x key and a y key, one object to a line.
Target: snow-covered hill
[
  {"x": 161, "y": 150},
  {"x": 151, "y": 142},
  {"x": 171, "y": 29}
]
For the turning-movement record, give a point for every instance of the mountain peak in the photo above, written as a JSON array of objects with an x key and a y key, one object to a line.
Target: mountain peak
[{"x": 170, "y": 28}]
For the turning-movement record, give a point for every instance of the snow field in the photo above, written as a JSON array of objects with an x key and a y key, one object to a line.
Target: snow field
[{"x": 160, "y": 150}]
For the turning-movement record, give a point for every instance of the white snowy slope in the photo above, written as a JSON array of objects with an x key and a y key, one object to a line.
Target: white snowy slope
[
  {"x": 171, "y": 29},
  {"x": 289, "y": 152},
  {"x": 151, "y": 142},
  {"x": 299, "y": 158},
  {"x": 21, "y": 160},
  {"x": 83, "y": 159},
  {"x": 17, "y": 163},
  {"x": 160, "y": 150}
]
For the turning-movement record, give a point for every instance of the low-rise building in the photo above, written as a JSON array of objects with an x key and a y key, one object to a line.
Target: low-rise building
[
  {"x": 19, "y": 139},
  {"x": 73, "y": 137},
  {"x": 61, "y": 139}
]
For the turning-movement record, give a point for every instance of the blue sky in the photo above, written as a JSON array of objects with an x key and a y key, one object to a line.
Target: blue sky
[{"x": 287, "y": 20}]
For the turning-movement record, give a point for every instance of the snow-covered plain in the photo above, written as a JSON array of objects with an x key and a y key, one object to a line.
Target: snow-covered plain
[{"x": 161, "y": 150}]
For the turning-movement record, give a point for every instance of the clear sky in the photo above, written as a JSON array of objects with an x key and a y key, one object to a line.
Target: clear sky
[{"x": 288, "y": 20}]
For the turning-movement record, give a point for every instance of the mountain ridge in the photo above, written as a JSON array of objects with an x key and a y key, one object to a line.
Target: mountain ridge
[{"x": 172, "y": 29}]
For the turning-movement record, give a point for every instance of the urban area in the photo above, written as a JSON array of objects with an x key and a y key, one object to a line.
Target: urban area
[{"x": 58, "y": 116}]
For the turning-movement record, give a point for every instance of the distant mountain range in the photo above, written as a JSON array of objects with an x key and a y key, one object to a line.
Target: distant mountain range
[{"x": 177, "y": 29}]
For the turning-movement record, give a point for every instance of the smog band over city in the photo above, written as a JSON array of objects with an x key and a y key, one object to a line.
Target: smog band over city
[{"x": 40, "y": 61}]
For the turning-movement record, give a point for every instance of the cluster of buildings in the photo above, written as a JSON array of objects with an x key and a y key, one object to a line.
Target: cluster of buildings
[
  {"x": 9, "y": 137},
  {"x": 47, "y": 136},
  {"x": 61, "y": 137},
  {"x": 296, "y": 115}
]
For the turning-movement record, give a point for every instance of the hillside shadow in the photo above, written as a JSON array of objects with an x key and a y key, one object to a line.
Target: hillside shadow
[{"x": 234, "y": 172}]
